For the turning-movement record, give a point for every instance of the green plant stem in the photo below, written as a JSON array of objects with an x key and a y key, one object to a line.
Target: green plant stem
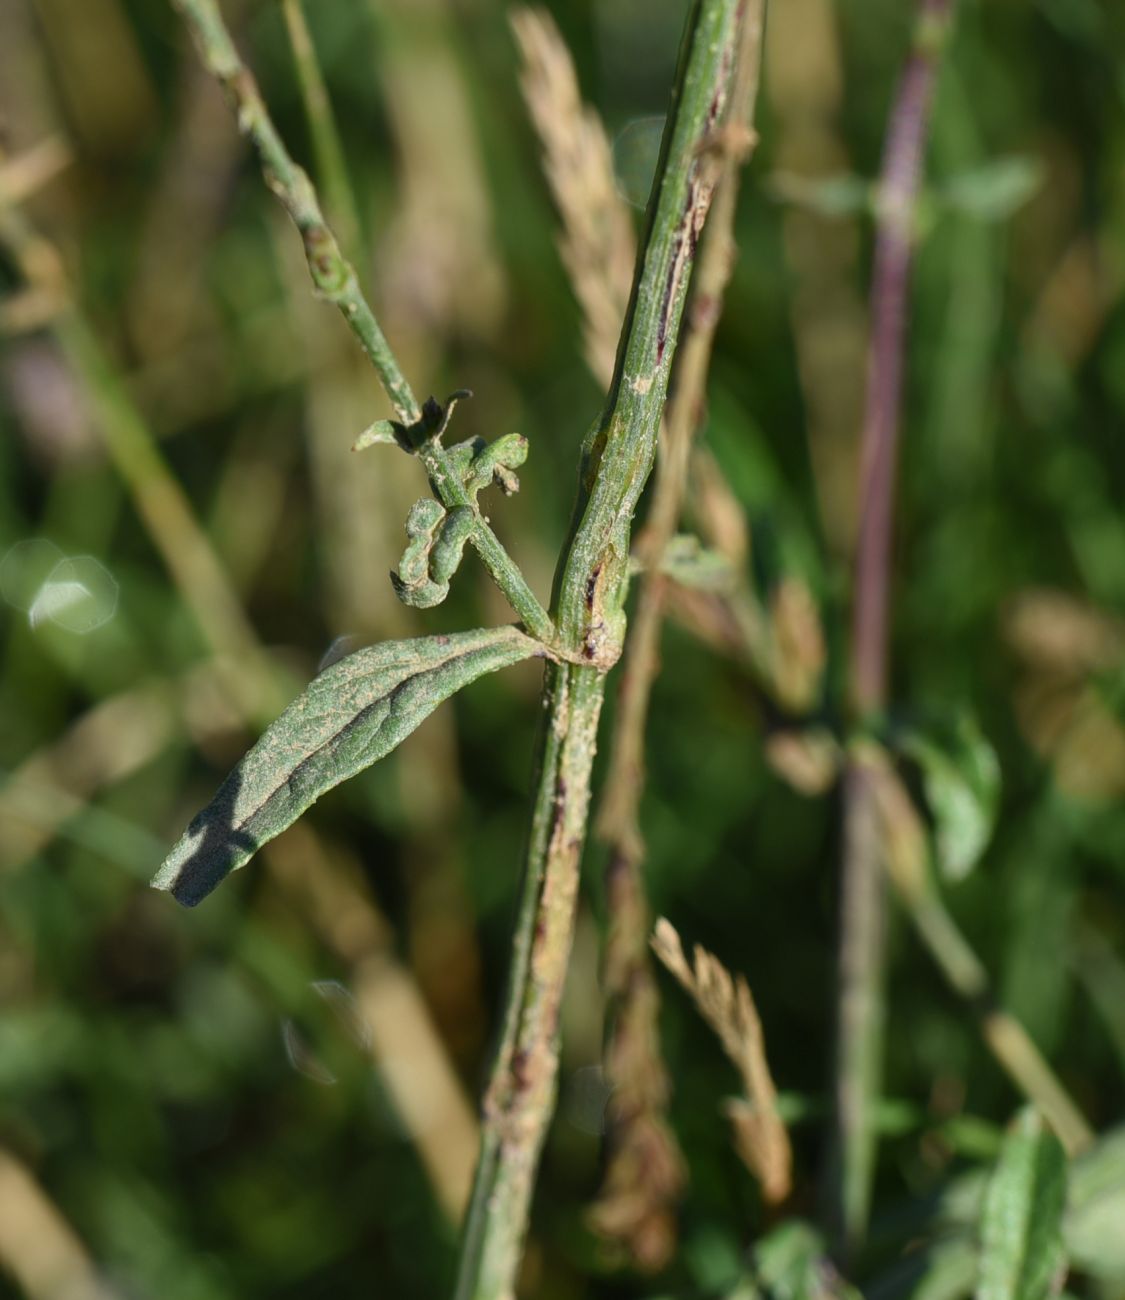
[
  {"x": 860, "y": 1013},
  {"x": 625, "y": 779},
  {"x": 335, "y": 280},
  {"x": 618, "y": 454},
  {"x": 590, "y": 590},
  {"x": 645, "y": 1169},
  {"x": 520, "y": 1097},
  {"x": 450, "y": 490},
  {"x": 332, "y": 274}
]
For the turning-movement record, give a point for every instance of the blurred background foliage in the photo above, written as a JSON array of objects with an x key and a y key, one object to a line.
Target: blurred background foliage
[{"x": 275, "y": 1095}]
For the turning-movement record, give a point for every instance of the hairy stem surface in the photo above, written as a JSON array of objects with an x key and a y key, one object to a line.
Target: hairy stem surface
[
  {"x": 644, "y": 1173},
  {"x": 590, "y": 590},
  {"x": 619, "y": 451}
]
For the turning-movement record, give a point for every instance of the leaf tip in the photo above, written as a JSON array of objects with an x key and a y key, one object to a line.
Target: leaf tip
[
  {"x": 169, "y": 880},
  {"x": 379, "y": 433},
  {"x": 208, "y": 851},
  {"x": 187, "y": 889}
]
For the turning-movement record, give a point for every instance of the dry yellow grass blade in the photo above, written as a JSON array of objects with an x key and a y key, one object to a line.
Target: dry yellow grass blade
[
  {"x": 597, "y": 244},
  {"x": 726, "y": 1004},
  {"x": 37, "y": 1246},
  {"x": 25, "y": 174}
]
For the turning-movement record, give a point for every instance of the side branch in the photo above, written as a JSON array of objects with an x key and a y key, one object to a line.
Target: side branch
[
  {"x": 335, "y": 280},
  {"x": 332, "y": 273}
]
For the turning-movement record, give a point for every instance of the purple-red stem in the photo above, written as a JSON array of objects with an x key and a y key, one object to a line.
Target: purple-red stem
[
  {"x": 860, "y": 1011},
  {"x": 899, "y": 183}
]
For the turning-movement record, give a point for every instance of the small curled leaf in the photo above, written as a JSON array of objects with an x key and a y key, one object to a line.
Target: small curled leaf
[
  {"x": 431, "y": 424},
  {"x": 480, "y": 464},
  {"x": 412, "y": 583},
  {"x": 435, "y": 418},
  {"x": 348, "y": 717},
  {"x": 421, "y": 527},
  {"x": 495, "y": 464},
  {"x": 449, "y": 547},
  {"x": 437, "y": 543}
]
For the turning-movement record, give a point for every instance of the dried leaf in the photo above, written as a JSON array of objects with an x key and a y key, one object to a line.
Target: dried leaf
[
  {"x": 728, "y": 1007},
  {"x": 905, "y": 849},
  {"x": 351, "y": 715},
  {"x": 809, "y": 760},
  {"x": 597, "y": 243},
  {"x": 800, "y": 655},
  {"x": 1062, "y": 634}
]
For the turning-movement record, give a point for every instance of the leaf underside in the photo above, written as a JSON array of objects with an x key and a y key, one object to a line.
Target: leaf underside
[{"x": 348, "y": 717}]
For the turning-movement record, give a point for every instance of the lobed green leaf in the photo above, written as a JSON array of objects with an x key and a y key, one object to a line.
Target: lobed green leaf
[{"x": 349, "y": 717}]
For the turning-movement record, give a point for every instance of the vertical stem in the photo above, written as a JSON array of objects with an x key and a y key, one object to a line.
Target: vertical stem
[
  {"x": 590, "y": 589},
  {"x": 644, "y": 1171},
  {"x": 859, "y": 1015},
  {"x": 899, "y": 183},
  {"x": 520, "y": 1098},
  {"x": 620, "y": 449},
  {"x": 861, "y": 959}
]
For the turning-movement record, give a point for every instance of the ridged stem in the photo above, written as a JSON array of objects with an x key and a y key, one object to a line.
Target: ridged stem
[
  {"x": 590, "y": 589},
  {"x": 644, "y": 1172}
]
